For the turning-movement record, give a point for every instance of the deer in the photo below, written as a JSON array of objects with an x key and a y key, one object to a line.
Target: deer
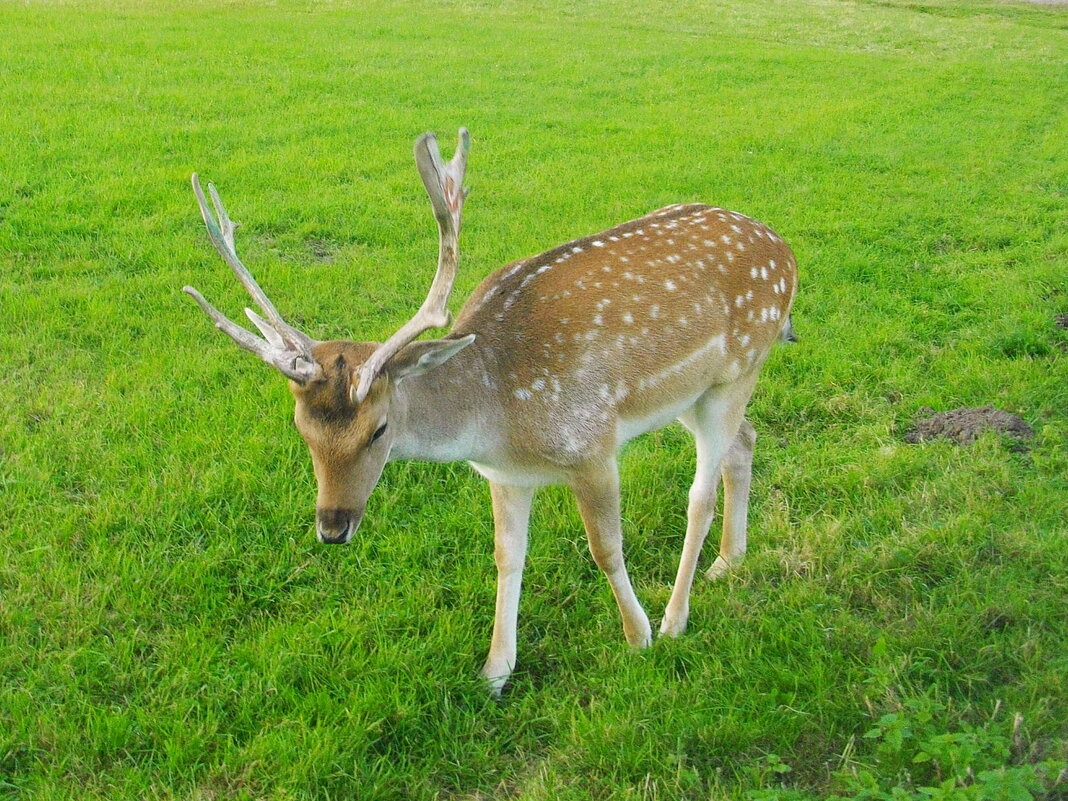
[{"x": 553, "y": 363}]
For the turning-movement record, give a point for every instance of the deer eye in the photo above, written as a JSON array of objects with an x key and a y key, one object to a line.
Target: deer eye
[{"x": 378, "y": 432}]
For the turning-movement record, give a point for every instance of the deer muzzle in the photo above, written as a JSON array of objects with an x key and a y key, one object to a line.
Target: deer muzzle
[{"x": 336, "y": 526}]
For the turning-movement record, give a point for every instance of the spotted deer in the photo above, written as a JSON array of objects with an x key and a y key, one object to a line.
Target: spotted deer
[{"x": 553, "y": 363}]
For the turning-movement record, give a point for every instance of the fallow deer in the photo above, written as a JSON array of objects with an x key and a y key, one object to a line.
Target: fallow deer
[{"x": 554, "y": 362}]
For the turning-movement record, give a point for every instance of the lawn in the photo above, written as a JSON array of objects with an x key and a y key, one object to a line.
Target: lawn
[{"x": 171, "y": 629}]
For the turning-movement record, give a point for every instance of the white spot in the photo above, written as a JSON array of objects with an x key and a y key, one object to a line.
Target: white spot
[
  {"x": 598, "y": 320},
  {"x": 738, "y": 301},
  {"x": 771, "y": 264},
  {"x": 764, "y": 273},
  {"x": 523, "y": 394},
  {"x": 673, "y": 259},
  {"x": 744, "y": 339},
  {"x": 654, "y": 312},
  {"x": 576, "y": 249},
  {"x": 753, "y": 272},
  {"x": 670, "y": 286},
  {"x": 726, "y": 240},
  {"x": 538, "y": 385},
  {"x": 598, "y": 244},
  {"x": 628, "y": 318}
]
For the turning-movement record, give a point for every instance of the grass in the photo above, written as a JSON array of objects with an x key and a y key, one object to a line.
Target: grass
[{"x": 169, "y": 629}]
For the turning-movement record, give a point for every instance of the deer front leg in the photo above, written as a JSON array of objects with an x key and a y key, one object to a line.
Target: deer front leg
[
  {"x": 708, "y": 421},
  {"x": 511, "y": 520},
  {"x": 597, "y": 492},
  {"x": 737, "y": 478}
]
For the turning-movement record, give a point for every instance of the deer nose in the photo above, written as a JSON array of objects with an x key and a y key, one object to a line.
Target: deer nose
[{"x": 336, "y": 526}]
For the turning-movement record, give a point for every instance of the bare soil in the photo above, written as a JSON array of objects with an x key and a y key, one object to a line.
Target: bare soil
[{"x": 964, "y": 426}]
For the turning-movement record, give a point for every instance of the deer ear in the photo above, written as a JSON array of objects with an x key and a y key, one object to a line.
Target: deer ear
[{"x": 421, "y": 357}]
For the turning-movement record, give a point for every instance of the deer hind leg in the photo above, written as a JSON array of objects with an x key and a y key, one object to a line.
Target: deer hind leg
[
  {"x": 511, "y": 520},
  {"x": 737, "y": 478},
  {"x": 597, "y": 492},
  {"x": 714, "y": 420}
]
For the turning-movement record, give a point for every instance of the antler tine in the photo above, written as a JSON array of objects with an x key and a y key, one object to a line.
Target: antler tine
[
  {"x": 285, "y": 347},
  {"x": 221, "y": 232},
  {"x": 443, "y": 182},
  {"x": 243, "y": 338},
  {"x": 444, "y": 185}
]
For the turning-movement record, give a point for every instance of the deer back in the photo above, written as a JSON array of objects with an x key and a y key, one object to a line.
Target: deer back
[{"x": 629, "y": 324}]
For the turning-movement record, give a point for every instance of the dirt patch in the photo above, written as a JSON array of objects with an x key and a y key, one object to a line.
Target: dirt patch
[
  {"x": 964, "y": 426},
  {"x": 1061, "y": 320}
]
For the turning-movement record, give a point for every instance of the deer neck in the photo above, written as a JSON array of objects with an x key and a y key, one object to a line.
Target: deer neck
[{"x": 448, "y": 414}]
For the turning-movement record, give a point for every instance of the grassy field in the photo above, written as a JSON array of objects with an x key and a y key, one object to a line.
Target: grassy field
[{"x": 170, "y": 629}]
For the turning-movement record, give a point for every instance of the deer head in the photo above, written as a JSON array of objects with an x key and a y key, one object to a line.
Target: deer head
[{"x": 345, "y": 391}]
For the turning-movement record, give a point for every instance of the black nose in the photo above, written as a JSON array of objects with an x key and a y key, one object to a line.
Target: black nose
[{"x": 335, "y": 526}]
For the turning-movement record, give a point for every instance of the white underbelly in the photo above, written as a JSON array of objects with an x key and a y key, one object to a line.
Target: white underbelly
[
  {"x": 520, "y": 476},
  {"x": 630, "y": 427}
]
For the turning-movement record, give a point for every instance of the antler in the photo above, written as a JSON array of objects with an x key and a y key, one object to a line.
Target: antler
[
  {"x": 283, "y": 346},
  {"x": 444, "y": 184}
]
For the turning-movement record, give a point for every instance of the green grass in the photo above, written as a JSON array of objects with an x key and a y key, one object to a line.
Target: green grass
[{"x": 169, "y": 628}]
